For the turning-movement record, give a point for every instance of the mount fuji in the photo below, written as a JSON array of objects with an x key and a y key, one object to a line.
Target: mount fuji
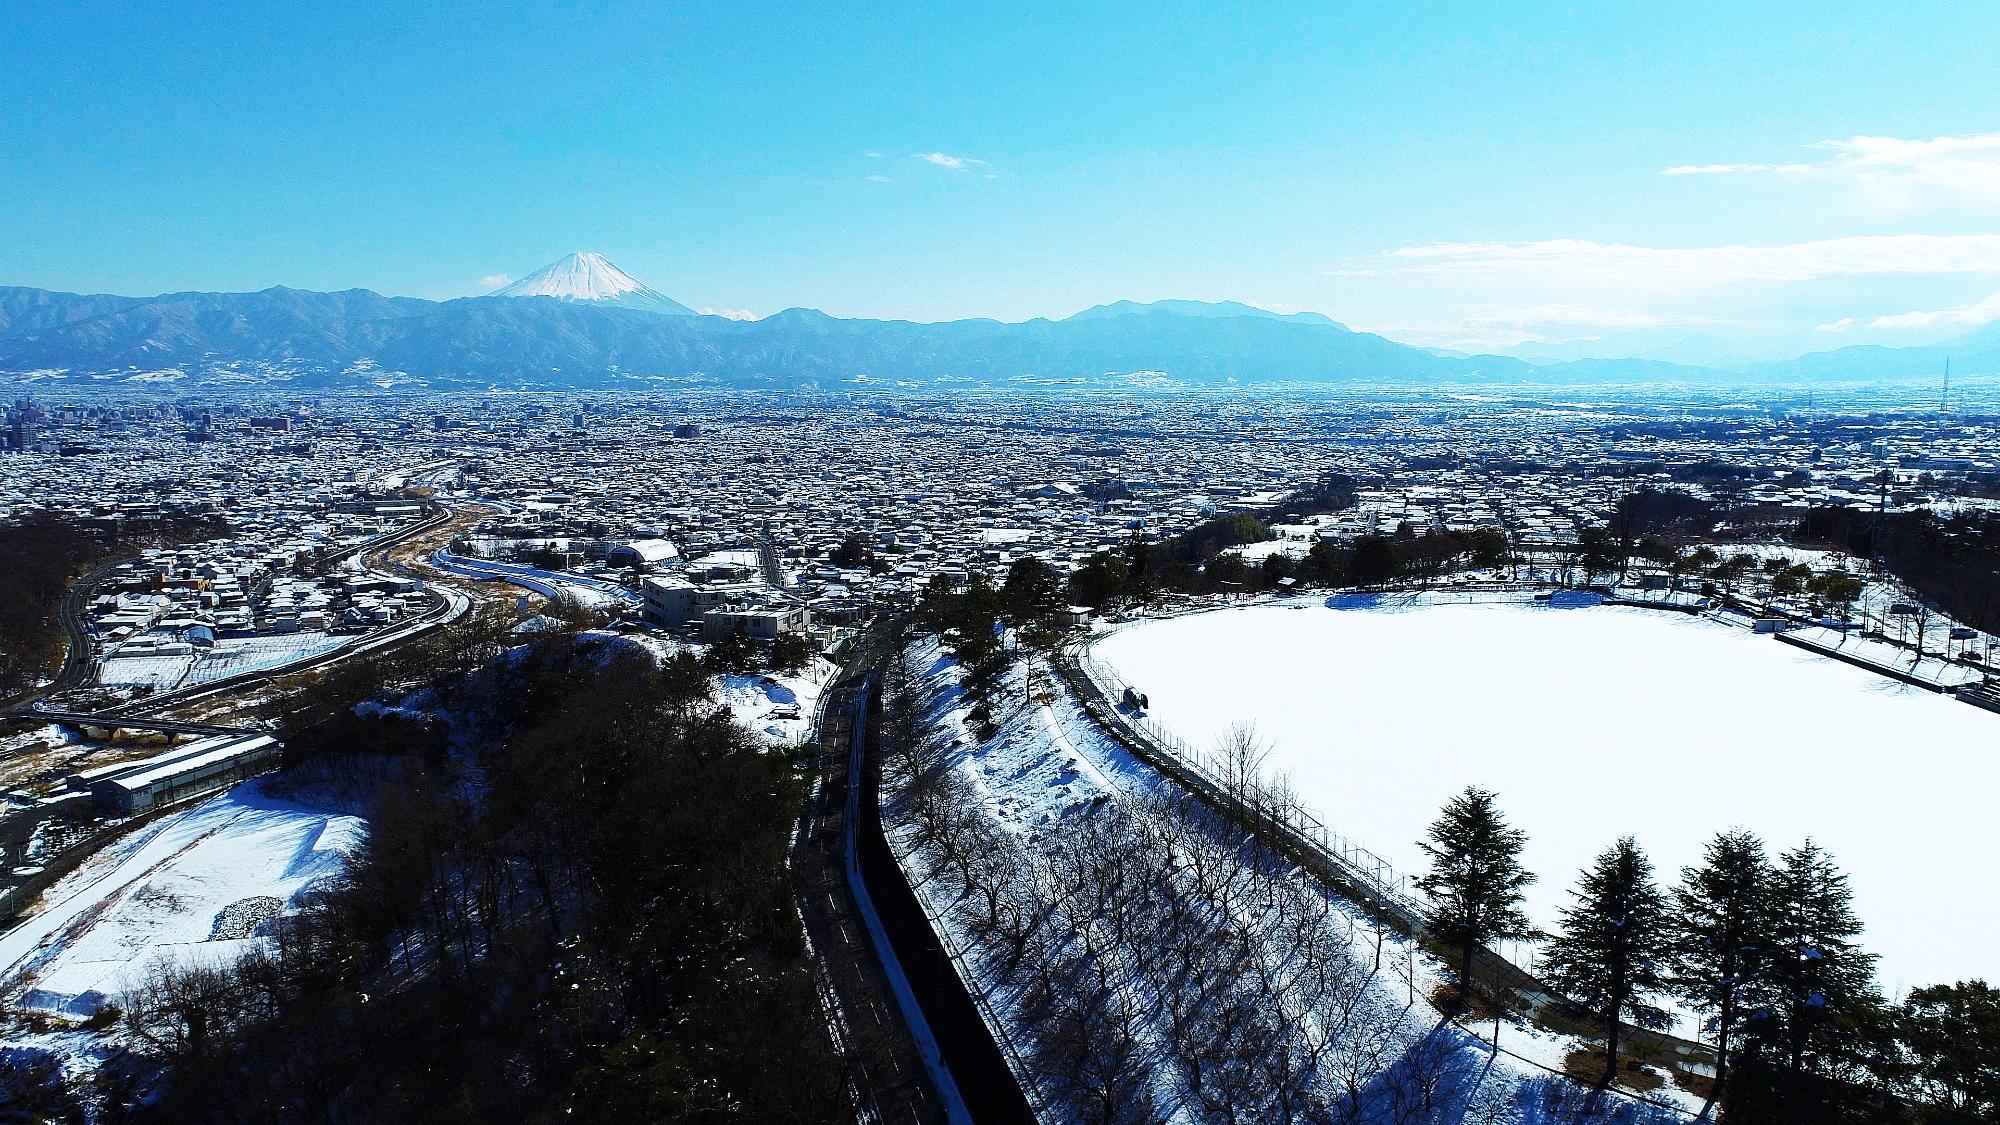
[{"x": 591, "y": 279}]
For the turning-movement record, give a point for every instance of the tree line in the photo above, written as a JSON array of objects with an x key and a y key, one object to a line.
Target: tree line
[
  {"x": 1951, "y": 561},
  {"x": 1198, "y": 561},
  {"x": 573, "y": 903},
  {"x": 1765, "y": 950},
  {"x": 41, "y": 553}
]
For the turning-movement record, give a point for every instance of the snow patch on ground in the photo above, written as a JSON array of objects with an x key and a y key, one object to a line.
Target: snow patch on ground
[{"x": 779, "y": 706}]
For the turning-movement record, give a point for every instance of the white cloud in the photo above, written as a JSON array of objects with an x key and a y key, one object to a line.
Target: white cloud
[
  {"x": 878, "y": 178},
  {"x": 1978, "y": 312},
  {"x": 1844, "y": 324},
  {"x": 1728, "y": 169},
  {"x": 1967, "y": 166},
  {"x": 494, "y": 280},
  {"x": 1670, "y": 267},
  {"x": 946, "y": 160},
  {"x": 732, "y": 314}
]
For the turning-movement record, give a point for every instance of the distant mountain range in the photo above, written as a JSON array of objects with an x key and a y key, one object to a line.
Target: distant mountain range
[{"x": 582, "y": 322}]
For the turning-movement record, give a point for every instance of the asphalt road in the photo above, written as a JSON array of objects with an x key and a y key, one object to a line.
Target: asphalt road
[{"x": 886, "y": 1070}]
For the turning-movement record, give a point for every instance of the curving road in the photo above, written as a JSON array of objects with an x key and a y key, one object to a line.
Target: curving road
[{"x": 80, "y": 661}]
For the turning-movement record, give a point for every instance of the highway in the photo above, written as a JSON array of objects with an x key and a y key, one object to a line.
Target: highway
[
  {"x": 79, "y": 662},
  {"x": 547, "y": 583},
  {"x": 887, "y": 1074}
]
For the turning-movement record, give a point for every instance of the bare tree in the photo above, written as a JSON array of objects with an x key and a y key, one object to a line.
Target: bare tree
[{"x": 188, "y": 1011}]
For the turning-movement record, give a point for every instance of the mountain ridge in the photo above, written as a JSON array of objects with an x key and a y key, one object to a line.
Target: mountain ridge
[{"x": 352, "y": 337}]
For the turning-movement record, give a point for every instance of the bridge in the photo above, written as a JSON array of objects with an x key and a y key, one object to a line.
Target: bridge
[{"x": 110, "y": 722}]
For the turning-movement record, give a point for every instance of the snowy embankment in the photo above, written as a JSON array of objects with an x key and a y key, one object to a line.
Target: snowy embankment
[
  {"x": 192, "y": 885},
  {"x": 1225, "y": 980},
  {"x": 1592, "y": 723}
]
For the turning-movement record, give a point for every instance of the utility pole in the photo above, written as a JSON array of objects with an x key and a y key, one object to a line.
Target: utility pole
[{"x": 1881, "y": 512}]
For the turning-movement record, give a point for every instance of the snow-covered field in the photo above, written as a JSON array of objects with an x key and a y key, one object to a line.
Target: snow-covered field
[
  {"x": 1595, "y": 722},
  {"x": 229, "y": 657},
  {"x": 191, "y": 885}
]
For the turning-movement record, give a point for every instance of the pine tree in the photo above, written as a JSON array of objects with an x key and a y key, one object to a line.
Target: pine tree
[
  {"x": 1818, "y": 1011},
  {"x": 1612, "y": 952},
  {"x": 1722, "y": 938},
  {"x": 1476, "y": 878},
  {"x": 979, "y": 647}
]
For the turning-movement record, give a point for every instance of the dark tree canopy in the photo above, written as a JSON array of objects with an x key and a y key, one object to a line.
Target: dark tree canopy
[
  {"x": 1611, "y": 954},
  {"x": 1818, "y": 1014},
  {"x": 1723, "y": 940},
  {"x": 1476, "y": 879}
]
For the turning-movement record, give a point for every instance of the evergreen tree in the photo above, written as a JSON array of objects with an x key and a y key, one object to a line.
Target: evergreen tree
[
  {"x": 1031, "y": 590},
  {"x": 1374, "y": 561},
  {"x": 1141, "y": 576},
  {"x": 1100, "y": 581},
  {"x": 1596, "y": 552},
  {"x": 1809, "y": 1039},
  {"x": 980, "y": 647},
  {"x": 1722, "y": 938},
  {"x": 1476, "y": 878},
  {"x": 790, "y": 652},
  {"x": 1612, "y": 952}
]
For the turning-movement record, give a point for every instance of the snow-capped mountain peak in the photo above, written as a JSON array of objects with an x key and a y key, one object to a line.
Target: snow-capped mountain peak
[{"x": 591, "y": 277}]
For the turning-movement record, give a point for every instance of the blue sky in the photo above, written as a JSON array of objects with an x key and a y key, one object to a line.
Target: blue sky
[{"x": 1463, "y": 176}]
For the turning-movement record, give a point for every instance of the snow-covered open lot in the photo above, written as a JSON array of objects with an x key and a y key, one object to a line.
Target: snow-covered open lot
[
  {"x": 194, "y": 884},
  {"x": 1595, "y": 722},
  {"x": 229, "y": 657}
]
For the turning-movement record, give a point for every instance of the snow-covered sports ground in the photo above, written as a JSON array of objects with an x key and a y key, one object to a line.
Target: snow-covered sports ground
[{"x": 1594, "y": 722}]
